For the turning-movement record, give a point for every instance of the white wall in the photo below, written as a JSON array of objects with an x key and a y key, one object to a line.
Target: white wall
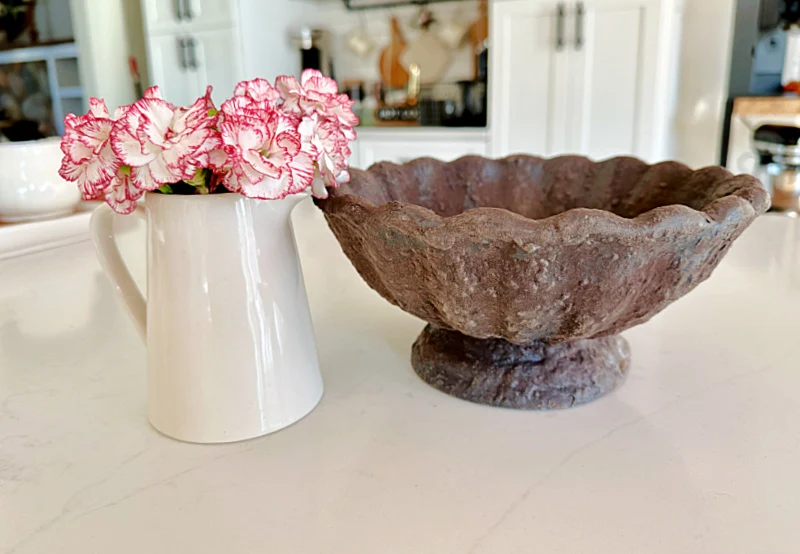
[
  {"x": 265, "y": 27},
  {"x": 707, "y": 32},
  {"x": 104, "y": 32},
  {"x": 134, "y": 27}
]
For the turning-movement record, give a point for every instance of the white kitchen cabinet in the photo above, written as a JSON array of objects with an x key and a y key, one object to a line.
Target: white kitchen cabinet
[
  {"x": 399, "y": 146},
  {"x": 169, "y": 69},
  {"x": 165, "y": 15},
  {"x": 216, "y": 62},
  {"x": 209, "y": 12},
  {"x": 192, "y": 44},
  {"x": 528, "y": 80},
  {"x": 581, "y": 77},
  {"x": 183, "y": 65},
  {"x": 161, "y": 14}
]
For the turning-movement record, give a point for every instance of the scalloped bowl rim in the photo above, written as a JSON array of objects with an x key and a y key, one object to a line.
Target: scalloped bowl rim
[{"x": 716, "y": 210}]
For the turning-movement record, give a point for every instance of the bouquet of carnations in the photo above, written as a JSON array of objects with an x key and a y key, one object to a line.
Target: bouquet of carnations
[{"x": 266, "y": 142}]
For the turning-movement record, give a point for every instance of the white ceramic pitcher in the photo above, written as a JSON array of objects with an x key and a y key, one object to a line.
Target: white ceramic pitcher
[{"x": 230, "y": 343}]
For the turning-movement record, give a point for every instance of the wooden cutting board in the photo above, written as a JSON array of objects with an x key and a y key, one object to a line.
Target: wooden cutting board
[
  {"x": 430, "y": 54},
  {"x": 392, "y": 72},
  {"x": 478, "y": 33}
]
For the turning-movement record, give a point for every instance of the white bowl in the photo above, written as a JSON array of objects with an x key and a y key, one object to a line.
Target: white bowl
[{"x": 30, "y": 187}]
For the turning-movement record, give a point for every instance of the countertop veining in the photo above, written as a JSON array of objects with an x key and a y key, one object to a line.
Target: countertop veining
[{"x": 698, "y": 452}]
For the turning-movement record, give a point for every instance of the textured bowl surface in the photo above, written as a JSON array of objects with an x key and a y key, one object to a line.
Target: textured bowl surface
[{"x": 528, "y": 249}]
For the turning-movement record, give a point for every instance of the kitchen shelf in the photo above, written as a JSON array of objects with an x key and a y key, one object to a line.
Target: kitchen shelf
[
  {"x": 50, "y": 54},
  {"x": 70, "y": 92}
]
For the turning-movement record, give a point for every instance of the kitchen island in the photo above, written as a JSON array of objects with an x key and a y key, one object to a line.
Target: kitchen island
[{"x": 697, "y": 452}]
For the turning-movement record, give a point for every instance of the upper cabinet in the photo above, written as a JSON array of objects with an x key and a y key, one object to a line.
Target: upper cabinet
[
  {"x": 584, "y": 77},
  {"x": 215, "y": 62},
  {"x": 167, "y": 15},
  {"x": 192, "y": 44},
  {"x": 168, "y": 64},
  {"x": 209, "y": 12},
  {"x": 161, "y": 14},
  {"x": 528, "y": 73}
]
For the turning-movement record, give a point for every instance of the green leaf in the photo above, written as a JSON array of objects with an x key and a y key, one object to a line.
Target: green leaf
[
  {"x": 165, "y": 189},
  {"x": 212, "y": 112},
  {"x": 199, "y": 179}
]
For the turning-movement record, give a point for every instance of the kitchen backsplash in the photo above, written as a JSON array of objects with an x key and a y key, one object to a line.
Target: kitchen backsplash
[{"x": 374, "y": 25}]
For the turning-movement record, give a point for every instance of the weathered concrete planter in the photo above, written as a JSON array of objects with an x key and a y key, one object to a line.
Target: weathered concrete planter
[{"x": 527, "y": 269}]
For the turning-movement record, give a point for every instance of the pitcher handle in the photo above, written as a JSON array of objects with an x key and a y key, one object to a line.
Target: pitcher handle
[{"x": 102, "y": 227}]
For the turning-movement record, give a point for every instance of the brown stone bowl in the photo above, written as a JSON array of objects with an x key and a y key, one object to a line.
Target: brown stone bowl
[{"x": 527, "y": 269}]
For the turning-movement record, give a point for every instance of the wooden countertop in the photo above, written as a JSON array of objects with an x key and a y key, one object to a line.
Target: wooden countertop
[{"x": 767, "y": 105}]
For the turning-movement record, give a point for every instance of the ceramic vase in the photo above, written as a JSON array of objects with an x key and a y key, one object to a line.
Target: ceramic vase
[{"x": 230, "y": 344}]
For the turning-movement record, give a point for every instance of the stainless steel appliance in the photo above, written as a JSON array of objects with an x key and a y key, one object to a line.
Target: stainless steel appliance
[
  {"x": 315, "y": 50},
  {"x": 778, "y": 149},
  {"x": 757, "y": 55}
]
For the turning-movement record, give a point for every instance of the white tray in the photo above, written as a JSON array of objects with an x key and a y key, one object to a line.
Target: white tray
[{"x": 19, "y": 239}]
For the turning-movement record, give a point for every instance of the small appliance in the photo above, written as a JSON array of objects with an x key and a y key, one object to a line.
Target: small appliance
[{"x": 778, "y": 150}]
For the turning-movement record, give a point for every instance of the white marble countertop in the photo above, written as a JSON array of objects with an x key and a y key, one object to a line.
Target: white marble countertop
[{"x": 699, "y": 452}]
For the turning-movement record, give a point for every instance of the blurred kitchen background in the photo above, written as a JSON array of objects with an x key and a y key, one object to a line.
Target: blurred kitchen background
[{"x": 692, "y": 80}]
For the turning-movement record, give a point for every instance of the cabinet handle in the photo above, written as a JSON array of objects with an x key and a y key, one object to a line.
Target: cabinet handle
[
  {"x": 188, "y": 12},
  {"x": 560, "y": 14},
  {"x": 182, "y": 52},
  {"x": 178, "y": 4},
  {"x": 192, "y": 54},
  {"x": 579, "y": 14}
]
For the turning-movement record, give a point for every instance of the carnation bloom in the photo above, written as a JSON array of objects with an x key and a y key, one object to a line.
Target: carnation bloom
[
  {"x": 318, "y": 94},
  {"x": 164, "y": 144},
  {"x": 88, "y": 158},
  {"x": 327, "y": 143},
  {"x": 90, "y": 161},
  {"x": 326, "y": 125},
  {"x": 261, "y": 153},
  {"x": 266, "y": 142},
  {"x": 260, "y": 91}
]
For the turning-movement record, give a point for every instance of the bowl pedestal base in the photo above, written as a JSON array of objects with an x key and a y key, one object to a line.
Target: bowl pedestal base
[{"x": 537, "y": 376}]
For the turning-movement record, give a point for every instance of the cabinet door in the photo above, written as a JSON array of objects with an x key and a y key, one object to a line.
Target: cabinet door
[
  {"x": 166, "y": 62},
  {"x": 528, "y": 78},
  {"x": 171, "y": 15},
  {"x": 209, "y": 12},
  {"x": 161, "y": 14},
  {"x": 215, "y": 62},
  {"x": 613, "y": 85}
]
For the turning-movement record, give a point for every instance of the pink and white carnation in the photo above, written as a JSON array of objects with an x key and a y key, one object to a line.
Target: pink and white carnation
[
  {"x": 260, "y": 91},
  {"x": 91, "y": 163},
  {"x": 326, "y": 125},
  {"x": 261, "y": 155},
  {"x": 165, "y": 144},
  {"x": 318, "y": 94},
  {"x": 265, "y": 142},
  {"x": 327, "y": 143}
]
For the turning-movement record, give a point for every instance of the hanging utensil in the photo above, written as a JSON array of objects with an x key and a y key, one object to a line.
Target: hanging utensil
[{"x": 393, "y": 74}]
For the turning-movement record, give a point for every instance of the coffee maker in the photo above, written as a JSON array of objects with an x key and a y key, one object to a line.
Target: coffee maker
[
  {"x": 778, "y": 150},
  {"x": 314, "y": 45}
]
